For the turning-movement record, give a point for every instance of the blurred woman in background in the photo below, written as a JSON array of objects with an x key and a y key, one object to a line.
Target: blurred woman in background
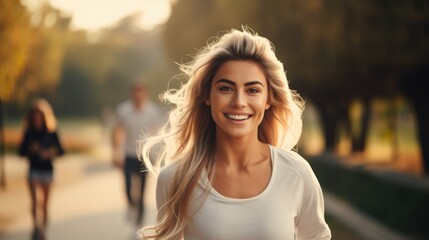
[{"x": 40, "y": 145}]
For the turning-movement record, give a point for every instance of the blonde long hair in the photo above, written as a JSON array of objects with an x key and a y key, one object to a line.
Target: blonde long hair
[{"x": 188, "y": 138}]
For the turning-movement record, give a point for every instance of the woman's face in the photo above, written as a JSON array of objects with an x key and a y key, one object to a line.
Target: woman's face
[
  {"x": 238, "y": 99},
  {"x": 38, "y": 120}
]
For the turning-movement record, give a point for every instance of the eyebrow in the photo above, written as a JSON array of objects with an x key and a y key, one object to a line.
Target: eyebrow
[{"x": 233, "y": 83}]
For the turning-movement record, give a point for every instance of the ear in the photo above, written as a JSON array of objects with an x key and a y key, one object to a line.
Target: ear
[{"x": 207, "y": 101}]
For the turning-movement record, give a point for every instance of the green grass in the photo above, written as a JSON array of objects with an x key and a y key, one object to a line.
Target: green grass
[
  {"x": 339, "y": 231},
  {"x": 400, "y": 207}
]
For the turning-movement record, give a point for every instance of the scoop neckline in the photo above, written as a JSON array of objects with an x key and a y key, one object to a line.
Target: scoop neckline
[{"x": 240, "y": 200}]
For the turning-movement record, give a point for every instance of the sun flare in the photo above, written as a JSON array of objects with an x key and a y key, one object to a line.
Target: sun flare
[{"x": 93, "y": 15}]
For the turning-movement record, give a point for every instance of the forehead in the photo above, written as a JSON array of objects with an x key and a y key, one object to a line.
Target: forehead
[
  {"x": 241, "y": 71},
  {"x": 137, "y": 88},
  {"x": 37, "y": 113}
]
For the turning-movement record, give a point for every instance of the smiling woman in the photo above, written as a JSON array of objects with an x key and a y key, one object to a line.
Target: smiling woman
[
  {"x": 96, "y": 14},
  {"x": 228, "y": 156}
]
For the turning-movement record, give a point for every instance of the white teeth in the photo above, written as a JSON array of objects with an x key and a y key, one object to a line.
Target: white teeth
[{"x": 237, "y": 117}]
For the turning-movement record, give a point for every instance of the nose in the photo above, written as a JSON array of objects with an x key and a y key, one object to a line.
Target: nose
[{"x": 239, "y": 100}]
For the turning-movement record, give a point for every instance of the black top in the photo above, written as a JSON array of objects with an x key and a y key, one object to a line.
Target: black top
[{"x": 41, "y": 140}]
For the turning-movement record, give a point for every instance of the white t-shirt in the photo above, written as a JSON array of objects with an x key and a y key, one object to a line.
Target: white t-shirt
[
  {"x": 137, "y": 122},
  {"x": 290, "y": 207}
]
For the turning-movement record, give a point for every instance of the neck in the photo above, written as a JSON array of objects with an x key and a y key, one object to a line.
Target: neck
[
  {"x": 239, "y": 152},
  {"x": 138, "y": 104}
]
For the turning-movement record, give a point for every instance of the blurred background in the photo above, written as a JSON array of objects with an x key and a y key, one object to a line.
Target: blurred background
[{"x": 362, "y": 67}]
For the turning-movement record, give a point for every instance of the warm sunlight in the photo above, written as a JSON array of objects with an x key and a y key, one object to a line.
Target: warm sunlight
[{"x": 92, "y": 15}]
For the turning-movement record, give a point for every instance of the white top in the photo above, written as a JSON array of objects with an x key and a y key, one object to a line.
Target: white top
[
  {"x": 290, "y": 207},
  {"x": 137, "y": 122}
]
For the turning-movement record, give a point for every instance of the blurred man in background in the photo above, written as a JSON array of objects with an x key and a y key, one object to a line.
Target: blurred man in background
[{"x": 135, "y": 118}]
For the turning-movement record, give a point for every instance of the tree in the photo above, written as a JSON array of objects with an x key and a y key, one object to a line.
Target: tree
[
  {"x": 15, "y": 36},
  {"x": 15, "y": 41},
  {"x": 42, "y": 73}
]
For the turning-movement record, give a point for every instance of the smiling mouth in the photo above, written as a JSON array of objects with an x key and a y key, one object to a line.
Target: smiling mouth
[{"x": 237, "y": 117}]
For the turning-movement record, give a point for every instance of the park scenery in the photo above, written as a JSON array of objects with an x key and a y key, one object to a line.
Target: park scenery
[{"x": 360, "y": 66}]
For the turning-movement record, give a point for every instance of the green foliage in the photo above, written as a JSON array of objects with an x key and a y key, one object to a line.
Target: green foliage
[
  {"x": 401, "y": 206},
  {"x": 100, "y": 72},
  {"x": 15, "y": 38},
  {"x": 82, "y": 76},
  {"x": 42, "y": 72}
]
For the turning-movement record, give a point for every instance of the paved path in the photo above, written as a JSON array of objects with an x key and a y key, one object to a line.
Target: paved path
[{"x": 87, "y": 202}]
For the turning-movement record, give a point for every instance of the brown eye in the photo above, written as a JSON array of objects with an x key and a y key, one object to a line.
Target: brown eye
[
  {"x": 225, "y": 89},
  {"x": 253, "y": 90}
]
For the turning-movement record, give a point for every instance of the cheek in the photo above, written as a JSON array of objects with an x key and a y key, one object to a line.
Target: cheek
[
  {"x": 217, "y": 107},
  {"x": 38, "y": 121},
  {"x": 261, "y": 104},
  {"x": 218, "y": 101}
]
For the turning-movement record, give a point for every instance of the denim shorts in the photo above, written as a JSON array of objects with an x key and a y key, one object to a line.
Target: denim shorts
[{"x": 35, "y": 175}]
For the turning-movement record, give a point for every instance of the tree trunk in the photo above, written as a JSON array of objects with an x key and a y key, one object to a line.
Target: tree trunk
[
  {"x": 359, "y": 140},
  {"x": 2, "y": 143},
  {"x": 329, "y": 125},
  {"x": 422, "y": 118},
  {"x": 413, "y": 85}
]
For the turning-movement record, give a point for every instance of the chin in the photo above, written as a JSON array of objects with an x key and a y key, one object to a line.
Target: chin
[{"x": 236, "y": 133}]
